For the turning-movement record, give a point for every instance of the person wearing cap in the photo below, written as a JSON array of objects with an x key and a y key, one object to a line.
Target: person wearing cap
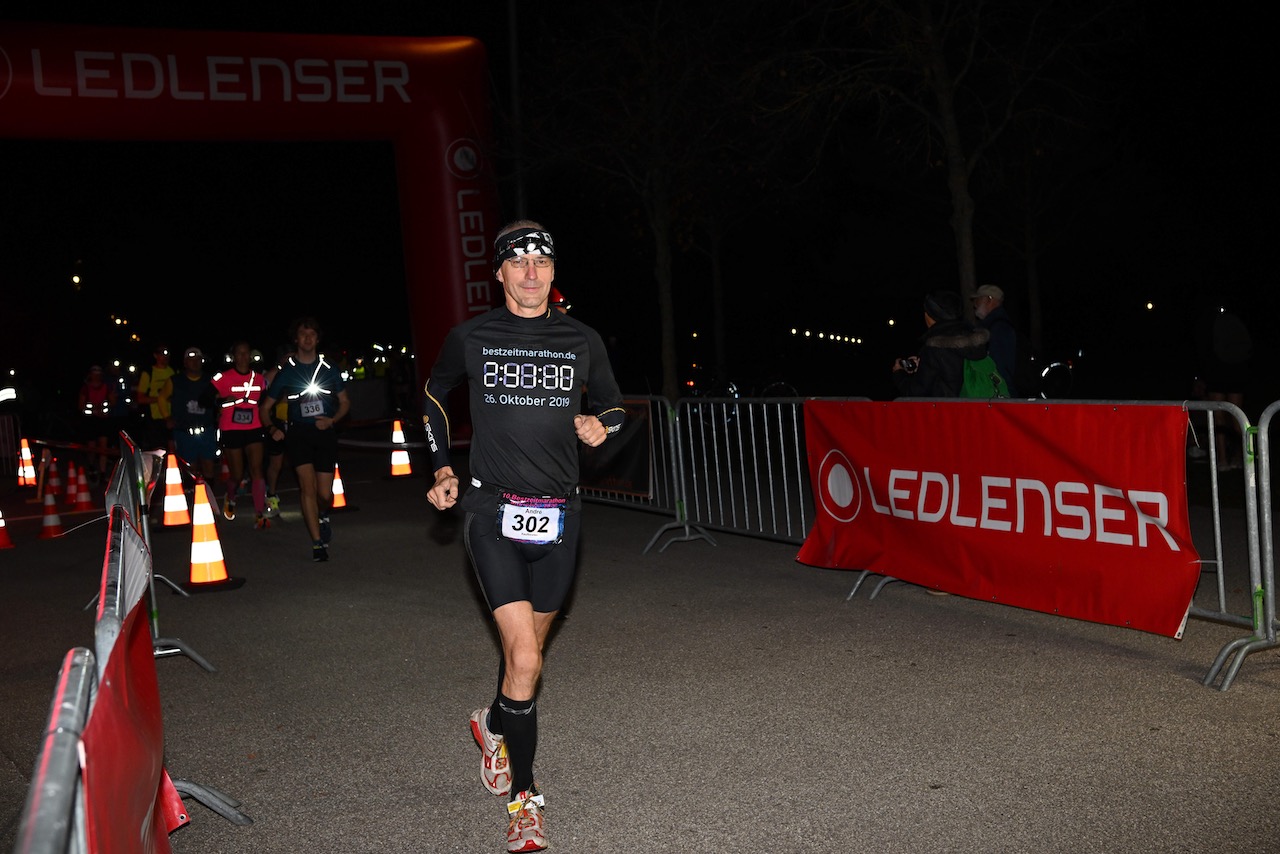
[
  {"x": 525, "y": 365},
  {"x": 317, "y": 400},
  {"x": 96, "y": 399},
  {"x": 193, "y": 415},
  {"x": 938, "y": 369},
  {"x": 988, "y": 308}
]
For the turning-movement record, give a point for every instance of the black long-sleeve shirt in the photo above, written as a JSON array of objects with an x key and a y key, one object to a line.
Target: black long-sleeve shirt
[{"x": 526, "y": 378}]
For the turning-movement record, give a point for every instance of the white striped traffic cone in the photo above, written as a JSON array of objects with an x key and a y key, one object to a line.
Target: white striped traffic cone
[
  {"x": 208, "y": 569},
  {"x": 175, "y": 501},
  {"x": 400, "y": 465},
  {"x": 52, "y": 526}
]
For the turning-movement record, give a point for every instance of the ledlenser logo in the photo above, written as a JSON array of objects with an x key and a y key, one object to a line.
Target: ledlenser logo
[
  {"x": 838, "y": 487},
  {"x": 463, "y": 159}
]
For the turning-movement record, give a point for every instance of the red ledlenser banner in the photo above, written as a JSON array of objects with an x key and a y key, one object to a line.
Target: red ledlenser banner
[{"x": 1075, "y": 510}]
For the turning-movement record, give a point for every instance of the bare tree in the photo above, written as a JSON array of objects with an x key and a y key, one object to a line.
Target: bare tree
[{"x": 947, "y": 79}]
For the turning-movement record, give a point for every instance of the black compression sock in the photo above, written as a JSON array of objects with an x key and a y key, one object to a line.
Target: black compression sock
[{"x": 520, "y": 733}]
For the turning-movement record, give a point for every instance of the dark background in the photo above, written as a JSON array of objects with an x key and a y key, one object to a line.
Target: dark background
[{"x": 179, "y": 238}]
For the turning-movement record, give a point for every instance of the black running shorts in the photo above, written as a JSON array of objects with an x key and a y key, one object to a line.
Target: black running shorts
[
  {"x": 307, "y": 445},
  {"x": 522, "y": 572}
]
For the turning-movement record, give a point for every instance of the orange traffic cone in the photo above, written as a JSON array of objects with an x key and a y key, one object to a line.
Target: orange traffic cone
[
  {"x": 175, "y": 501},
  {"x": 53, "y": 484},
  {"x": 208, "y": 571},
  {"x": 26, "y": 466},
  {"x": 5, "y": 542},
  {"x": 52, "y": 521},
  {"x": 339, "y": 492},
  {"x": 83, "y": 499},
  {"x": 400, "y": 465},
  {"x": 69, "y": 494}
]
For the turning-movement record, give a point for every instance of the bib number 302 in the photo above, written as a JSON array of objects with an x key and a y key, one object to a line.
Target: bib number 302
[{"x": 522, "y": 524}]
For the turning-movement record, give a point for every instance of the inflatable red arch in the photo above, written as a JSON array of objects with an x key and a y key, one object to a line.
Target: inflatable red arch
[{"x": 426, "y": 95}]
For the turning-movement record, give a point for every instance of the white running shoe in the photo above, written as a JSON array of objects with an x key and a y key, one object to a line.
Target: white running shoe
[
  {"x": 527, "y": 830},
  {"x": 495, "y": 770}
]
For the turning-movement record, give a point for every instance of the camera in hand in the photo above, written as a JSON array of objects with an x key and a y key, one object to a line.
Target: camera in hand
[{"x": 909, "y": 364}]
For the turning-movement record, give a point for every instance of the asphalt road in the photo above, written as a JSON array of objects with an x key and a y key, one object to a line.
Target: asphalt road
[{"x": 705, "y": 698}]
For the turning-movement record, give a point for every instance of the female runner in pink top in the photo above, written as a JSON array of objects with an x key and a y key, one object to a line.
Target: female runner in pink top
[{"x": 240, "y": 390}]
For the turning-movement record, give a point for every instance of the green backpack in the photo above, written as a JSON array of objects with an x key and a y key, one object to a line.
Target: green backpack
[{"x": 982, "y": 379}]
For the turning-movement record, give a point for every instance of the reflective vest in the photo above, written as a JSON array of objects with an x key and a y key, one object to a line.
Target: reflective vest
[{"x": 151, "y": 384}]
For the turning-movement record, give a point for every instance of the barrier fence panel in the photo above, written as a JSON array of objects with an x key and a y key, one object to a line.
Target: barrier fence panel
[
  {"x": 1262, "y": 579},
  {"x": 640, "y": 469},
  {"x": 100, "y": 783},
  {"x": 129, "y": 798},
  {"x": 53, "y": 817},
  {"x": 652, "y": 447},
  {"x": 1216, "y": 561},
  {"x": 1210, "y": 604},
  {"x": 743, "y": 467}
]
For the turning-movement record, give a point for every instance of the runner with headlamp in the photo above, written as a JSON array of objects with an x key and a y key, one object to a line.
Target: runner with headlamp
[{"x": 525, "y": 365}]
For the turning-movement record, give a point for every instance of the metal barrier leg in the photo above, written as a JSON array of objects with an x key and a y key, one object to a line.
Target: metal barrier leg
[
  {"x": 888, "y": 579},
  {"x": 163, "y": 647},
  {"x": 861, "y": 577},
  {"x": 688, "y": 535},
  {"x": 219, "y": 802},
  {"x": 1242, "y": 647}
]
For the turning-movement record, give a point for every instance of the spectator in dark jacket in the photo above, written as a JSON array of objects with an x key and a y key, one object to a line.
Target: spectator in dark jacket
[{"x": 938, "y": 369}]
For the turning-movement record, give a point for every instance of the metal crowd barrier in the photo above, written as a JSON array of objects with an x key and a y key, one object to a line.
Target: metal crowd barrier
[
  {"x": 743, "y": 466},
  {"x": 55, "y": 817},
  {"x": 740, "y": 466},
  {"x": 1213, "y": 560},
  {"x": 53, "y": 820},
  {"x": 1262, "y": 564},
  {"x": 726, "y": 464},
  {"x": 661, "y": 495}
]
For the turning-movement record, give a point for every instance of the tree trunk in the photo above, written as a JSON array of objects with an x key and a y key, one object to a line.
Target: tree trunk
[
  {"x": 658, "y": 203},
  {"x": 717, "y": 312},
  {"x": 1035, "y": 316},
  {"x": 962, "y": 206}
]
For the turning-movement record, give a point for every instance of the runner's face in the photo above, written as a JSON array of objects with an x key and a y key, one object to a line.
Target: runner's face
[
  {"x": 241, "y": 358},
  {"x": 527, "y": 288},
  {"x": 308, "y": 340}
]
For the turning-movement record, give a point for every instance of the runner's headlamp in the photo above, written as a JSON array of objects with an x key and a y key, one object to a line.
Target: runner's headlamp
[{"x": 522, "y": 241}]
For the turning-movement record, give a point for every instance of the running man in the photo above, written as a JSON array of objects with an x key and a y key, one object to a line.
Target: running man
[
  {"x": 318, "y": 400},
  {"x": 193, "y": 417},
  {"x": 525, "y": 365}
]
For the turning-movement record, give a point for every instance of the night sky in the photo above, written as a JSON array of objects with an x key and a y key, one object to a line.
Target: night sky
[{"x": 176, "y": 236}]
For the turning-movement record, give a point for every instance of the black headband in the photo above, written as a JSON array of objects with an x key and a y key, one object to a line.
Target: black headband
[{"x": 522, "y": 241}]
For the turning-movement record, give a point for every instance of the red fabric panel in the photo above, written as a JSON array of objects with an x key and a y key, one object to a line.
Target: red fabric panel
[
  {"x": 124, "y": 750},
  {"x": 1077, "y": 510}
]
